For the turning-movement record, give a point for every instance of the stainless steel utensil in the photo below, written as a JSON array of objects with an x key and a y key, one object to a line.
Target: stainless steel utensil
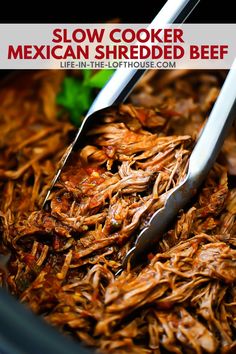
[
  {"x": 123, "y": 80},
  {"x": 201, "y": 160}
]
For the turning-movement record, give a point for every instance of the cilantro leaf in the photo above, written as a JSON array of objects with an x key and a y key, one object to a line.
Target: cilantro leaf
[
  {"x": 86, "y": 75},
  {"x": 77, "y": 95},
  {"x": 99, "y": 79},
  {"x": 75, "y": 98}
]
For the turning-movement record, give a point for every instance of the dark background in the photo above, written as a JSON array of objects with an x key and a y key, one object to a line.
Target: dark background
[{"x": 85, "y": 11}]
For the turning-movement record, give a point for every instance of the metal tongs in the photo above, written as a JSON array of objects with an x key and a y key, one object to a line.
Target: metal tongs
[
  {"x": 124, "y": 80},
  {"x": 203, "y": 156},
  {"x": 205, "y": 151}
]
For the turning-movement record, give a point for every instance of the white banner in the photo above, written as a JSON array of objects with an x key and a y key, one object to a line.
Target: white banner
[{"x": 97, "y": 46}]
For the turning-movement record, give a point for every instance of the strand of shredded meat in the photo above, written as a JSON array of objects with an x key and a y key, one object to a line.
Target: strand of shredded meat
[{"x": 63, "y": 261}]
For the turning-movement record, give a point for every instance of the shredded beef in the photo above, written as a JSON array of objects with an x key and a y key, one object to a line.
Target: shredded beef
[{"x": 64, "y": 259}]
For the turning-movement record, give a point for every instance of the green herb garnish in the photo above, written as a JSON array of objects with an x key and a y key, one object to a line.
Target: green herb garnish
[{"x": 77, "y": 95}]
